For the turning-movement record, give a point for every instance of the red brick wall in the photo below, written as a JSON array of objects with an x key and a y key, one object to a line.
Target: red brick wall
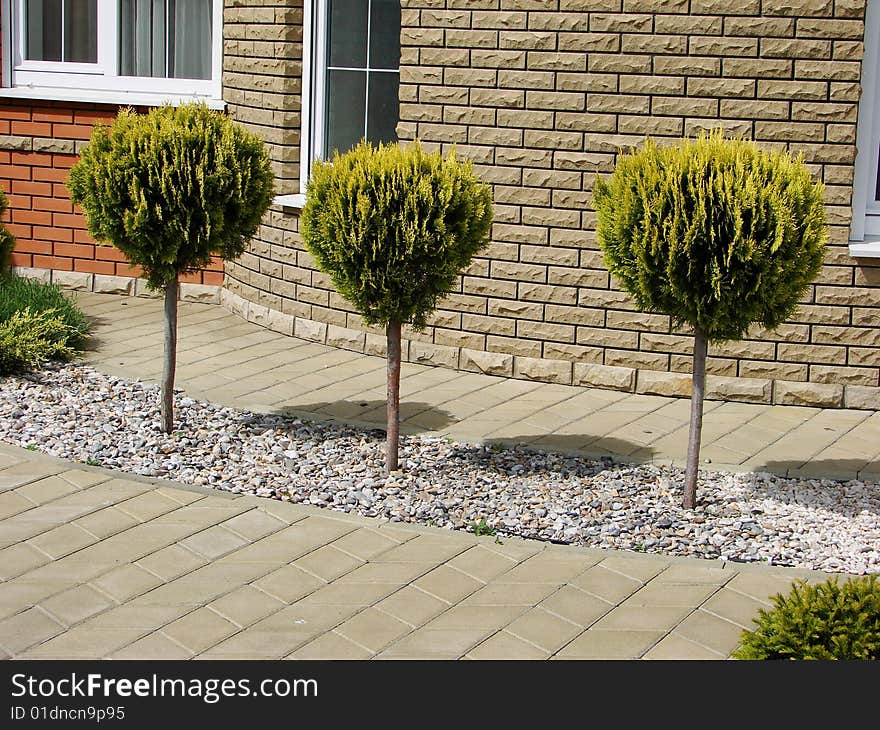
[{"x": 38, "y": 143}]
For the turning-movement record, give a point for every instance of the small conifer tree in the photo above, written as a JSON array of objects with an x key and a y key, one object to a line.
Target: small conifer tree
[
  {"x": 171, "y": 189},
  {"x": 393, "y": 227},
  {"x": 716, "y": 233}
]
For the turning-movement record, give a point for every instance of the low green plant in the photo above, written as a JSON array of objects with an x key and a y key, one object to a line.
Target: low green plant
[
  {"x": 481, "y": 527},
  {"x": 18, "y": 293},
  {"x": 826, "y": 621},
  {"x": 7, "y": 240},
  {"x": 28, "y": 339}
]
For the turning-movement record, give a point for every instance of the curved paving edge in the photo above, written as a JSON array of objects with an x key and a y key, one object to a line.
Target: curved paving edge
[{"x": 98, "y": 566}]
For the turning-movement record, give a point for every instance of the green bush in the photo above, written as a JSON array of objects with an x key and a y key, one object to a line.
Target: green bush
[
  {"x": 171, "y": 189},
  {"x": 716, "y": 233},
  {"x": 29, "y": 338},
  {"x": 7, "y": 240},
  {"x": 825, "y": 621},
  {"x": 18, "y": 294},
  {"x": 393, "y": 227}
]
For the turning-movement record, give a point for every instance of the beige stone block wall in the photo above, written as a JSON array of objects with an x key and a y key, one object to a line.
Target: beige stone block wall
[{"x": 541, "y": 95}]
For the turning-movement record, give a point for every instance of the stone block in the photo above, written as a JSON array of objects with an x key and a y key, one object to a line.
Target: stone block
[
  {"x": 605, "y": 376},
  {"x": 428, "y": 354},
  {"x": 306, "y": 329},
  {"x": 113, "y": 284},
  {"x": 280, "y": 322},
  {"x": 238, "y": 305},
  {"x": 258, "y": 314},
  {"x": 651, "y": 382},
  {"x": 745, "y": 390},
  {"x": 376, "y": 345},
  {"x": 546, "y": 371},
  {"x": 142, "y": 290},
  {"x": 490, "y": 363},
  {"x": 201, "y": 293},
  {"x": 789, "y": 393},
  {"x": 345, "y": 338},
  {"x": 862, "y": 397},
  {"x": 26, "y": 272},
  {"x": 74, "y": 280}
]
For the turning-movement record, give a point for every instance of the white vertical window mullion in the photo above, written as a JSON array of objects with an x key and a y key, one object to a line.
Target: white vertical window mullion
[
  {"x": 367, "y": 70},
  {"x": 21, "y": 28},
  {"x": 63, "y": 24},
  {"x": 319, "y": 80},
  {"x": 867, "y": 131},
  {"x": 307, "y": 94},
  {"x": 108, "y": 37},
  {"x": 217, "y": 49}
]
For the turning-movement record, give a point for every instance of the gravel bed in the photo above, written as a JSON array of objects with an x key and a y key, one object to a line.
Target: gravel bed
[{"x": 78, "y": 413}]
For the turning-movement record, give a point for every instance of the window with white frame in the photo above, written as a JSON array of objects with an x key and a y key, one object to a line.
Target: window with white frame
[
  {"x": 84, "y": 49},
  {"x": 352, "y": 75},
  {"x": 865, "y": 228}
]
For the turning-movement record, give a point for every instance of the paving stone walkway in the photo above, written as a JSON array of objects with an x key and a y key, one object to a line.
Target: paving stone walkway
[
  {"x": 93, "y": 565},
  {"x": 226, "y": 360},
  {"x": 98, "y": 564}
]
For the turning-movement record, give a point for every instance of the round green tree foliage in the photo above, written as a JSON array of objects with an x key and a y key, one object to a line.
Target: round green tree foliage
[
  {"x": 173, "y": 187},
  {"x": 715, "y": 232},
  {"x": 826, "y": 621},
  {"x": 394, "y": 226}
]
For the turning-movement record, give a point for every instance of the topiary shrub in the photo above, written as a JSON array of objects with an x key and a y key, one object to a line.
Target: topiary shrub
[
  {"x": 716, "y": 233},
  {"x": 171, "y": 189},
  {"x": 825, "y": 621},
  {"x": 29, "y": 338},
  {"x": 393, "y": 227}
]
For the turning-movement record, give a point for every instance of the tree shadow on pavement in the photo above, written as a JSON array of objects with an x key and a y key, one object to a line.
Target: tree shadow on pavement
[
  {"x": 415, "y": 416},
  {"x": 577, "y": 455}
]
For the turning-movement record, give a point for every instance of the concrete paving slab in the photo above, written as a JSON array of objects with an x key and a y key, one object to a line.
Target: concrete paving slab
[{"x": 506, "y": 646}]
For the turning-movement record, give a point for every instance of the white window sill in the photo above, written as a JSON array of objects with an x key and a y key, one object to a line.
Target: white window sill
[
  {"x": 867, "y": 249},
  {"x": 95, "y": 96},
  {"x": 295, "y": 202}
]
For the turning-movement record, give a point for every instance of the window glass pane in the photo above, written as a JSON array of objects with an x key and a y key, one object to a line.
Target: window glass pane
[
  {"x": 167, "y": 40},
  {"x": 384, "y": 107},
  {"x": 43, "y": 19},
  {"x": 190, "y": 39},
  {"x": 347, "y": 25},
  {"x": 81, "y": 31},
  {"x": 385, "y": 34},
  {"x": 346, "y": 92}
]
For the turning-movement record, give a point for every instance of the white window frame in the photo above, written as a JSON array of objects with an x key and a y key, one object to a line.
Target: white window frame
[
  {"x": 100, "y": 81},
  {"x": 865, "y": 227},
  {"x": 314, "y": 94}
]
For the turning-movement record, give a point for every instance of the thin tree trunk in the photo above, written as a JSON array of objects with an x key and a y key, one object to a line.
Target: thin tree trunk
[
  {"x": 170, "y": 359},
  {"x": 392, "y": 332},
  {"x": 697, "y": 394}
]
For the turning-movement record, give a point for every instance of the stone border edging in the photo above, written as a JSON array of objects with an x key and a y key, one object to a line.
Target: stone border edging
[{"x": 562, "y": 372}]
